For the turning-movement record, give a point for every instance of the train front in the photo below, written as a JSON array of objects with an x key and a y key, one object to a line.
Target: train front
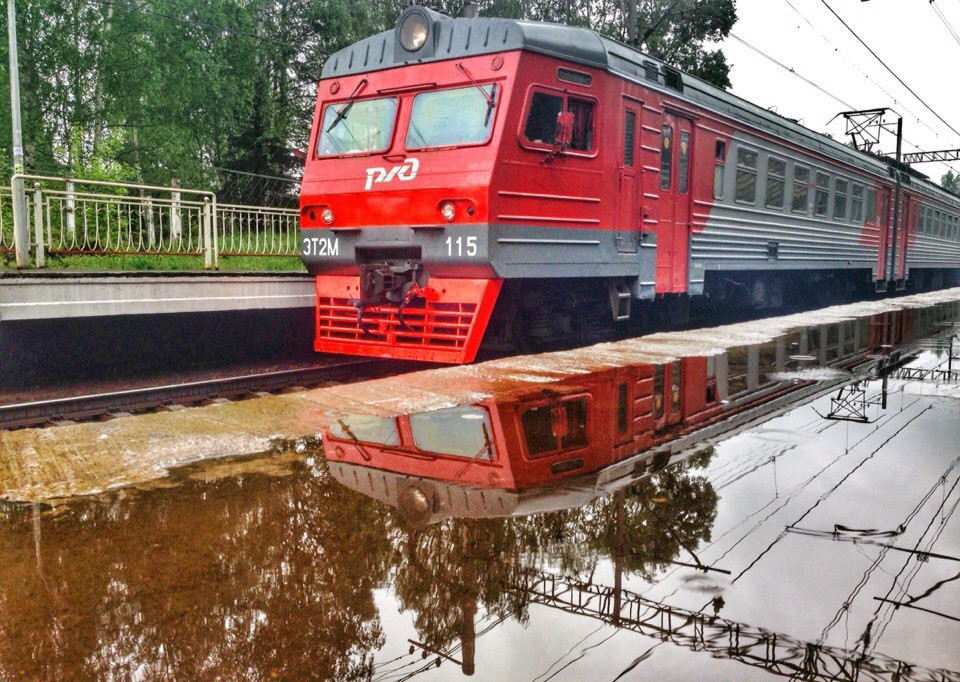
[{"x": 395, "y": 193}]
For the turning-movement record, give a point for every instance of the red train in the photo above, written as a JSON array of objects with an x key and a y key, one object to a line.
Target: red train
[
  {"x": 494, "y": 457},
  {"x": 529, "y": 182}
]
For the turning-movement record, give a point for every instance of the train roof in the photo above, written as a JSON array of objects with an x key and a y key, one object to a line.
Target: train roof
[{"x": 457, "y": 37}]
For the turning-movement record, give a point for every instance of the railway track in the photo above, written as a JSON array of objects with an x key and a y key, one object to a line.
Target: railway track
[{"x": 169, "y": 396}]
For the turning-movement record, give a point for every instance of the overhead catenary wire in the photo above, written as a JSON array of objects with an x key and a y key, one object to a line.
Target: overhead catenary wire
[
  {"x": 885, "y": 66},
  {"x": 946, "y": 22},
  {"x": 823, "y": 90}
]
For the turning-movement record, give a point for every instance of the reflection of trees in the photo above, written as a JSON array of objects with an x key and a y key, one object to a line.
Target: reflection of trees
[
  {"x": 250, "y": 578},
  {"x": 255, "y": 577},
  {"x": 449, "y": 568}
]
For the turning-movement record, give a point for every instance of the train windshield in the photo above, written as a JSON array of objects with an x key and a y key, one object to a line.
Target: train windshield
[
  {"x": 463, "y": 431},
  {"x": 446, "y": 118},
  {"x": 356, "y": 127},
  {"x": 366, "y": 429}
]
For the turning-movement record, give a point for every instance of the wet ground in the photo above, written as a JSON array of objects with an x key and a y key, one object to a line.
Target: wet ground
[{"x": 762, "y": 500}]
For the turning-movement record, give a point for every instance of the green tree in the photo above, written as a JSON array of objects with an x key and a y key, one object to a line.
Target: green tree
[{"x": 951, "y": 182}]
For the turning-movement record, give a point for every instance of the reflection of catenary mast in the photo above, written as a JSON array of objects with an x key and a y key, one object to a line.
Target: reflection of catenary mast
[{"x": 774, "y": 652}]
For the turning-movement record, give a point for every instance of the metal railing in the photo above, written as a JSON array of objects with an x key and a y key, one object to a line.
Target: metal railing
[
  {"x": 72, "y": 216},
  {"x": 257, "y": 231}
]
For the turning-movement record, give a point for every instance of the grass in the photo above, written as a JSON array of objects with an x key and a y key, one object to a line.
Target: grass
[{"x": 143, "y": 262}]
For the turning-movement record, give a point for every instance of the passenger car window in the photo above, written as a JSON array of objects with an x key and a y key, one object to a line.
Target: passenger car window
[
  {"x": 746, "y": 176},
  {"x": 871, "y": 205},
  {"x": 801, "y": 189},
  {"x": 821, "y": 200},
  {"x": 856, "y": 206},
  {"x": 444, "y": 118},
  {"x": 840, "y": 200},
  {"x": 720, "y": 154},
  {"x": 776, "y": 181},
  {"x": 357, "y": 127}
]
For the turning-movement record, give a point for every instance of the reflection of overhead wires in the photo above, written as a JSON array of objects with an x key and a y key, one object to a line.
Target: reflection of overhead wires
[
  {"x": 885, "y": 601},
  {"x": 829, "y": 492},
  {"x": 868, "y": 573}
]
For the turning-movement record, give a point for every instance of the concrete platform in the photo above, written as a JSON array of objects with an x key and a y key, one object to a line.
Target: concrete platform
[{"x": 64, "y": 295}]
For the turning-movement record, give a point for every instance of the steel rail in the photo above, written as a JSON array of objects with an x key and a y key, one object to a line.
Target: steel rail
[{"x": 92, "y": 405}]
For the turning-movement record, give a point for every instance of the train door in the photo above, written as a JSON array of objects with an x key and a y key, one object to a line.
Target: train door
[
  {"x": 629, "y": 179},
  {"x": 883, "y": 247},
  {"x": 667, "y": 404},
  {"x": 673, "y": 237},
  {"x": 903, "y": 230}
]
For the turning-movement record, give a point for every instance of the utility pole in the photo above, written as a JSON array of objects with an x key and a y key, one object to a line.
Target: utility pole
[
  {"x": 864, "y": 127},
  {"x": 896, "y": 202},
  {"x": 20, "y": 228}
]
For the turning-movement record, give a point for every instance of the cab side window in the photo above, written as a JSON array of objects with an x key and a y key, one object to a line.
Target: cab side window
[{"x": 541, "y": 124}]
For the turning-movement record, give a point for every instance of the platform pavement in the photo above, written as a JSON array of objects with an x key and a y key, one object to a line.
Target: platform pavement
[{"x": 71, "y": 294}]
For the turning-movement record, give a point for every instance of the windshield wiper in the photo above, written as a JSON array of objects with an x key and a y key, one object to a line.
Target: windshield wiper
[
  {"x": 490, "y": 97},
  {"x": 345, "y": 109}
]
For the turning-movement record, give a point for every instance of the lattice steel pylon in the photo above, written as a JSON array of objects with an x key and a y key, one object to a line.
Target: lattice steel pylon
[
  {"x": 865, "y": 127},
  {"x": 774, "y": 652}
]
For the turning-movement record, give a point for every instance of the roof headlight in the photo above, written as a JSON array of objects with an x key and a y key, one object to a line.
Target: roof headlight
[{"x": 413, "y": 31}]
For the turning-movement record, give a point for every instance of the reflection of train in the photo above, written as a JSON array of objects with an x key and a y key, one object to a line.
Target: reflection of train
[
  {"x": 456, "y": 163},
  {"x": 620, "y": 422}
]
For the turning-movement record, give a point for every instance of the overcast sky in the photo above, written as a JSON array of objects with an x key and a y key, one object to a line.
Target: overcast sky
[{"x": 906, "y": 34}]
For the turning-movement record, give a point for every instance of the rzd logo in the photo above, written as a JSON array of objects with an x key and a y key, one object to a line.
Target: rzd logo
[{"x": 405, "y": 171}]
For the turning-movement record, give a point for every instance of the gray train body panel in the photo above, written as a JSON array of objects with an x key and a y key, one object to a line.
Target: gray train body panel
[{"x": 502, "y": 250}]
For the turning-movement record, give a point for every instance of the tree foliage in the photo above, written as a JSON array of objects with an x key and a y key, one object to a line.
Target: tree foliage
[
  {"x": 951, "y": 182},
  {"x": 158, "y": 89}
]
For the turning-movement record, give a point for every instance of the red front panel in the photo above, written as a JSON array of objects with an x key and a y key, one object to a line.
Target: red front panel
[{"x": 446, "y": 327}]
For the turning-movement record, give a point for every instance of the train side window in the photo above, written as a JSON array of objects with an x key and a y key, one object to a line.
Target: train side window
[
  {"x": 801, "y": 189},
  {"x": 746, "y": 176},
  {"x": 666, "y": 157},
  {"x": 821, "y": 199},
  {"x": 871, "y": 205},
  {"x": 582, "y": 137},
  {"x": 541, "y": 123},
  {"x": 658, "y": 391},
  {"x": 776, "y": 181},
  {"x": 856, "y": 206},
  {"x": 675, "y": 387},
  {"x": 629, "y": 132},
  {"x": 937, "y": 224},
  {"x": 922, "y": 220},
  {"x": 719, "y": 165},
  {"x": 622, "y": 407},
  {"x": 551, "y": 428},
  {"x": 840, "y": 200},
  {"x": 683, "y": 165}
]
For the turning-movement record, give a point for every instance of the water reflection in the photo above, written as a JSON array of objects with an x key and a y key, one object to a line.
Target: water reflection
[{"x": 419, "y": 538}]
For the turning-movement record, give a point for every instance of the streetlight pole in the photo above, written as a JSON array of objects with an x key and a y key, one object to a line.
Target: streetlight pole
[{"x": 20, "y": 227}]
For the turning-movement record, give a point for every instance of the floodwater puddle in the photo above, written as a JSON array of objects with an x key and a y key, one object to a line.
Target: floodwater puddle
[{"x": 775, "y": 498}]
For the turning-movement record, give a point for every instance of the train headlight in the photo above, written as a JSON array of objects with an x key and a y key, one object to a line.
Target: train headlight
[
  {"x": 448, "y": 211},
  {"x": 414, "y": 31},
  {"x": 326, "y": 215}
]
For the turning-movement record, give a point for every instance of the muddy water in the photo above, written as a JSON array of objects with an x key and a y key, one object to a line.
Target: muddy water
[{"x": 772, "y": 540}]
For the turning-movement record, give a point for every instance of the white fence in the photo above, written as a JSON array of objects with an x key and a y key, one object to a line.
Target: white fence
[{"x": 68, "y": 216}]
